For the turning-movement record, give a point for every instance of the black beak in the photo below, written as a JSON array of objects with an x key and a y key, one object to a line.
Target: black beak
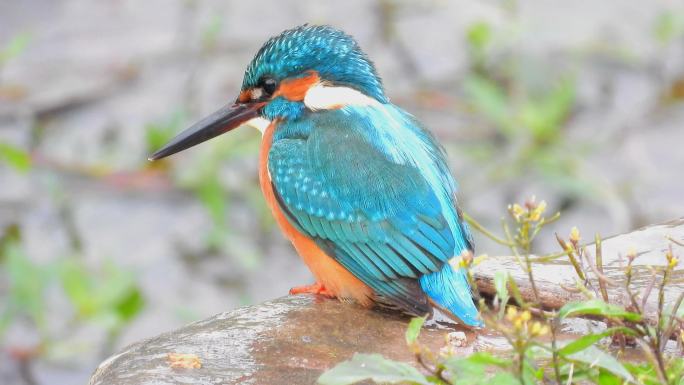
[{"x": 221, "y": 121}]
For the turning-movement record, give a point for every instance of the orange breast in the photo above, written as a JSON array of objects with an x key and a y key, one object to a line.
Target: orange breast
[{"x": 325, "y": 269}]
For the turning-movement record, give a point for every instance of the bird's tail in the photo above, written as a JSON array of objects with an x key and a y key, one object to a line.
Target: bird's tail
[{"x": 449, "y": 289}]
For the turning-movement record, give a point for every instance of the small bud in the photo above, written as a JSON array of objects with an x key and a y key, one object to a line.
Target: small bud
[
  {"x": 631, "y": 254},
  {"x": 575, "y": 235},
  {"x": 466, "y": 259}
]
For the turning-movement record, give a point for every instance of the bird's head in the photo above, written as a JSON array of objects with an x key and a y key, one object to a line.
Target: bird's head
[{"x": 300, "y": 71}]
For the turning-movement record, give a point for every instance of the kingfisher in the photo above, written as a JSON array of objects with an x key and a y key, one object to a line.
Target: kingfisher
[{"x": 359, "y": 186}]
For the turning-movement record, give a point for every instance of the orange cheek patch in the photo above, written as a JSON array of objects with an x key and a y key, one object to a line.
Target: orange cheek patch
[
  {"x": 245, "y": 96},
  {"x": 295, "y": 89}
]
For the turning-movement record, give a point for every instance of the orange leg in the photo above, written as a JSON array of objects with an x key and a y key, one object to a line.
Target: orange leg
[{"x": 316, "y": 288}]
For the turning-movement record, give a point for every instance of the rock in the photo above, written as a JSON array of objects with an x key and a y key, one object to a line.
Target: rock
[{"x": 290, "y": 340}]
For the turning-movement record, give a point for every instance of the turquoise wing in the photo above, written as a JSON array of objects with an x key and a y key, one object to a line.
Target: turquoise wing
[{"x": 379, "y": 218}]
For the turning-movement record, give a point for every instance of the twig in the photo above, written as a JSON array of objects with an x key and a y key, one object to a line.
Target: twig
[
  {"x": 648, "y": 289},
  {"x": 571, "y": 256},
  {"x": 599, "y": 265},
  {"x": 676, "y": 242}
]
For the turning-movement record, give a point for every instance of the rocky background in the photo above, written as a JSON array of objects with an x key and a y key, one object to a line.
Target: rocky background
[{"x": 579, "y": 103}]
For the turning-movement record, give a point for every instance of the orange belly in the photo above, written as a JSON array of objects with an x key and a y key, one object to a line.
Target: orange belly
[{"x": 326, "y": 270}]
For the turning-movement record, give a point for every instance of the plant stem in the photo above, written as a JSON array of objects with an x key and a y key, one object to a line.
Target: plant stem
[{"x": 477, "y": 226}]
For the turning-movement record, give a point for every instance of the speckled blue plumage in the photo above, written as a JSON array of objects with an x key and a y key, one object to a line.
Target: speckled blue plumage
[
  {"x": 333, "y": 54},
  {"x": 367, "y": 183}
]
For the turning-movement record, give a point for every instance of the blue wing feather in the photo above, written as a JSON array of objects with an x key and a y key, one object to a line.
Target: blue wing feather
[{"x": 379, "y": 199}]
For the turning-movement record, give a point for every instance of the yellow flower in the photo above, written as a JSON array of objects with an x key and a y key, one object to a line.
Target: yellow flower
[
  {"x": 538, "y": 329},
  {"x": 511, "y": 313},
  {"x": 673, "y": 262},
  {"x": 517, "y": 211},
  {"x": 517, "y": 324},
  {"x": 525, "y": 316},
  {"x": 536, "y": 214}
]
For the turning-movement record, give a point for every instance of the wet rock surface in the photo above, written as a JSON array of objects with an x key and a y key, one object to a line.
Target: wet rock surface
[{"x": 290, "y": 340}]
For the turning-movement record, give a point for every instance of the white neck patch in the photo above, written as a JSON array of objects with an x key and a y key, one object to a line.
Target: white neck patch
[
  {"x": 260, "y": 123},
  {"x": 322, "y": 97}
]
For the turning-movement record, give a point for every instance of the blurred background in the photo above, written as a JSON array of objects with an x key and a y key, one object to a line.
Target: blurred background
[{"x": 580, "y": 103}]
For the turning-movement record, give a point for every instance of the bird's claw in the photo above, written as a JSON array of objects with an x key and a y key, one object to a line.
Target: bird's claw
[{"x": 316, "y": 288}]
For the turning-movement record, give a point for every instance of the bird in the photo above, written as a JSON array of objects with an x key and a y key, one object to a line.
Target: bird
[{"x": 358, "y": 185}]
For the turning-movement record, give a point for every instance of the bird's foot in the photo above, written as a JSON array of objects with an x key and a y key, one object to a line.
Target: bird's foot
[{"x": 316, "y": 288}]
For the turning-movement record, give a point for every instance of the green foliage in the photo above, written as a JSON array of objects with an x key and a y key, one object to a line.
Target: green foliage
[
  {"x": 539, "y": 117},
  {"x": 372, "y": 367},
  {"x": 413, "y": 330},
  {"x": 161, "y": 132},
  {"x": 668, "y": 26},
  {"x": 479, "y": 35},
  {"x": 202, "y": 176},
  {"x": 27, "y": 285},
  {"x": 16, "y": 46},
  {"x": 526, "y": 113},
  {"x": 478, "y": 369},
  {"x": 108, "y": 297},
  {"x": 593, "y": 357},
  {"x": 15, "y": 157},
  {"x": 590, "y": 339},
  {"x": 598, "y": 308}
]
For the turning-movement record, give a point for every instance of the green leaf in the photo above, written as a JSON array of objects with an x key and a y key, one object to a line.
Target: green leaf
[
  {"x": 597, "y": 307},
  {"x": 413, "y": 330},
  {"x": 15, "y": 47},
  {"x": 107, "y": 296},
  {"x": 668, "y": 26},
  {"x": 483, "y": 358},
  {"x": 16, "y": 157},
  {"x": 211, "y": 194},
  {"x": 589, "y": 339},
  {"x": 130, "y": 304},
  {"x": 500, "y": 280},
  {"x": 595, "y": 357},
  {"x": 502, "y": 378},
  {"x": 372, "y": 367},
  {"x": 479, "y": 35},
  {"x": 159, "y": 133},
  {"x": 607, "y": 378},
  {"x": 545, "y": 114},
  {"x": 27, "y": 283},
  {"x": 490, "y": 99},
  {"x": 473, "y": 370}
]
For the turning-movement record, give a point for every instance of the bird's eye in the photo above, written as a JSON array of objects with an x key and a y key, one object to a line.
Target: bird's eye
[{"x": 269, "y": 85}]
